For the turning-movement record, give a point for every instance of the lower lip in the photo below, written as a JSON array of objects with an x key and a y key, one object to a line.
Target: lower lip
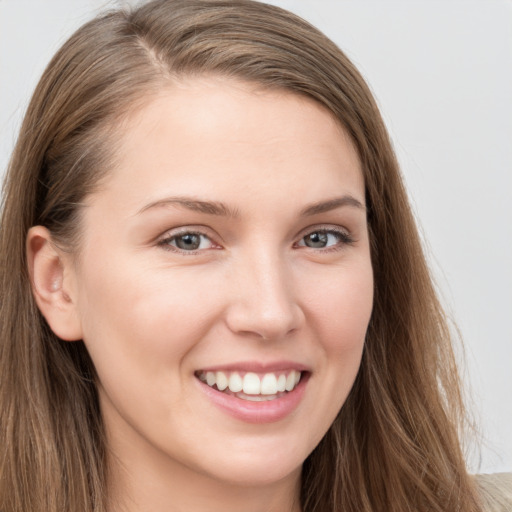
[{"x": 268, "y": 411}]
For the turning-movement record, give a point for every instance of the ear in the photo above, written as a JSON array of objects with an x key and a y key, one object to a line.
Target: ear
[{"x": 53, "y": 284}]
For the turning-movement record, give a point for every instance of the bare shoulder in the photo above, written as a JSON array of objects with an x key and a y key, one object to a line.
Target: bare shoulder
[{"x": 495, "y": 491}]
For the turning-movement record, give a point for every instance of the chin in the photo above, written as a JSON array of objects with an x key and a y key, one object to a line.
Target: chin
[
  {"x": 249, "y": 474},
  {"x": 256, "y": 466}
]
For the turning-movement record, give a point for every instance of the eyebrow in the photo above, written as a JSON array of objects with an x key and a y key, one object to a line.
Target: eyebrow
[
  {"x": 332, "y": 204},
  {"x": 221, "y": 209},
  {"x": 196, "y": 205}
]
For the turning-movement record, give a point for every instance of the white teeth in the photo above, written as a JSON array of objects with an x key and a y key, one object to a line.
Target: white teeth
[
  {"x": 290, "y": 381},
  {"x": 251, "y": 385},
  {"x": 257, "y": 398},
  {"x": 281, "y": 382},
  {"x": 210, "y": 378},
  {"x": 222, "y": 381},
  {"x": 235, "y": 383},
  {"x": 269, "y": 384}
]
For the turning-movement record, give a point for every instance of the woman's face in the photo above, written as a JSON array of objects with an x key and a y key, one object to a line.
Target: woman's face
[{"x": 228, "y": 249}]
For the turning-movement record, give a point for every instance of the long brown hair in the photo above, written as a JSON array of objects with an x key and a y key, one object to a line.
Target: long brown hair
[{"x": 395, "y": 443}]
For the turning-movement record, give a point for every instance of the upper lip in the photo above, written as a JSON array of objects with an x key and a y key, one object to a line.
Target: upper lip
[{"x": 257, "y": 367}]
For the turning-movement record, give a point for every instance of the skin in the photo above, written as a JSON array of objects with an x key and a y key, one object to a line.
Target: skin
[{"x": 151, "y": 314}]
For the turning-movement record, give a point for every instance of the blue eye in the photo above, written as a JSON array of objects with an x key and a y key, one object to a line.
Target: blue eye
[
  {"x": 324, "y": 239},
  {"x": 188, "y": 241}
]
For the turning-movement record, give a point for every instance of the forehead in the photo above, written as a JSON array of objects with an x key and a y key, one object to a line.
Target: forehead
[{"x": 228, "y": 137}]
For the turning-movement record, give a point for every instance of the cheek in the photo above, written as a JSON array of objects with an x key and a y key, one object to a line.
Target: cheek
[
  {"x": 340, "y": 307},
  {"x": 141, "y": 319},
  {"x": 340, "y": 314},
  {"x": 139, "y": 328}
]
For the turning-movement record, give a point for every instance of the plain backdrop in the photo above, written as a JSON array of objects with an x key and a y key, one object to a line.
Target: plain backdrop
[{"x": 441, "y": 71}]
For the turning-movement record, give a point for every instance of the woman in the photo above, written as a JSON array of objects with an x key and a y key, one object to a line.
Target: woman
[{"x": 223, "y": 299}]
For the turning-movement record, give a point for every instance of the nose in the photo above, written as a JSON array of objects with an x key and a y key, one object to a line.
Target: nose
[{"x": 264, "y": 299}]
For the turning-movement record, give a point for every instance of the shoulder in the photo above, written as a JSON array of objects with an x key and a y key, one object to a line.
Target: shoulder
[{"x": 495, "y": 491}]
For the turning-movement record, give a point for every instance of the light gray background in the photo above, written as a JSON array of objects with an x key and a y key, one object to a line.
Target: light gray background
[{"x": 442, "y": 74}]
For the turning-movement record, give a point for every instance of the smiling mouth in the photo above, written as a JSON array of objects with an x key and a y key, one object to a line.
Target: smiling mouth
[{"x": 252, "y": 386}]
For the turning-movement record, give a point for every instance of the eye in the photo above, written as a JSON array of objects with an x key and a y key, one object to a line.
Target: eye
[
  {"x": 187, "y": 241},
  {"x": 325, "y": 239}
]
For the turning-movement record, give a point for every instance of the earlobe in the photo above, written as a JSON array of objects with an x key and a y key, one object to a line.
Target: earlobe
[{"x": 52, "y": 285}]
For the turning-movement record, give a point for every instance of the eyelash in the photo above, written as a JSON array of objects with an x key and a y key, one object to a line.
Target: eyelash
[
  {"x": 166, "y": 244},
  {"x": 344, "y": 239}
]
